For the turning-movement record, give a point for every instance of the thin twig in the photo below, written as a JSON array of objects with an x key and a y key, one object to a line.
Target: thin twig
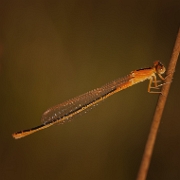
[{"x": 158, "y": 112}]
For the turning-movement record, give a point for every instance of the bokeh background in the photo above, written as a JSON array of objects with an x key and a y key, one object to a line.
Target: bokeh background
[{"x": 51, "y": 51}]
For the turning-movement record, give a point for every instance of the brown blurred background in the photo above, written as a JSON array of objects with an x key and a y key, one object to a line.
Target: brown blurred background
[{"x": 51, "y": 51}]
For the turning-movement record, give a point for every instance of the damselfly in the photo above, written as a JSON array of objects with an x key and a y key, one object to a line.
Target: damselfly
[{"x": 68, "y": 109}]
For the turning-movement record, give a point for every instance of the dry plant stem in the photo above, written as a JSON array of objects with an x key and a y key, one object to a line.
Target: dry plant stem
[{"x": 158, "y": 112}]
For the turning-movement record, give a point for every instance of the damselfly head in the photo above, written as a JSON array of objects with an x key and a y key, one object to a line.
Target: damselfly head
[{"x": 160, "y": 69}]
